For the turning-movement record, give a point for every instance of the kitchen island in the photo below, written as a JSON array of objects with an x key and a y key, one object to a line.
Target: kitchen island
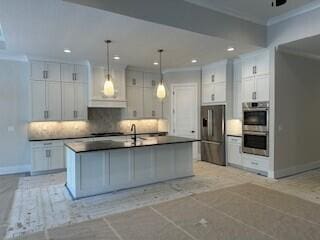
[{"x": 106, "y": 166}]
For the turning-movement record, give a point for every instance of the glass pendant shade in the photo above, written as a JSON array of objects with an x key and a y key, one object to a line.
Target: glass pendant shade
[
  {"x": 108, "y": 89},
  {"x": 161, "y": 91}
]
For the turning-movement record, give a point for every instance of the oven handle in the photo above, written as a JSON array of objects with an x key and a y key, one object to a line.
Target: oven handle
[
  {"x": 256, "y": 133},
  {"x": 255, "y": 109}
]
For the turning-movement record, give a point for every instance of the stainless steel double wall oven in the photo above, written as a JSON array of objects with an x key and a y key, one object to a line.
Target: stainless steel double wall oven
[{"x": 256, "y": 128}]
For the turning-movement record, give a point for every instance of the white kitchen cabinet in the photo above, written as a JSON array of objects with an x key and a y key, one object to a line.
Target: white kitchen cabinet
[
  {"x": 215, "y": 78},
  {"x": 234, "y": 153},
  {"x": 151, "y": 80},
  {"x": 256, "y": 63},
  {"x": 141, "y": 96},
  {"x": 135, "y": 103},
  {"x": 255, "y": 89},
  {"x": 74, "y": 72},
  {"x": 255, "y": 77},
  {"x": 96, "y": 84},
  {"x": 38, "y": 100},
  {"x": 49, "y": 71},
  {"x": 262, "y": 87},
  {"x": 53, "y": 98},
  {"x": 134, "y": 78},
  {"x": 256, "y": 163},
  {"x": 46, "y": 156},
  {"x": 74, "y": 101},
  {"x": 237, "y": 96},
  {"x": 148, "y": 110},
  {"x": 46, "y": 101}
]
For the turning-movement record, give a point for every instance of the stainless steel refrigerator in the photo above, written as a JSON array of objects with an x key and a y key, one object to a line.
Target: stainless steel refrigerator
[{"x": 213, "y": 134}]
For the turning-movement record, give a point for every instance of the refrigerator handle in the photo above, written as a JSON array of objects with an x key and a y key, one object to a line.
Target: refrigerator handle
[{"x": 210, "y": 123}]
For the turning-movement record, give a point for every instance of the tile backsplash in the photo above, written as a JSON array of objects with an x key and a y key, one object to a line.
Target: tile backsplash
[{"x": 99, "y": 120}]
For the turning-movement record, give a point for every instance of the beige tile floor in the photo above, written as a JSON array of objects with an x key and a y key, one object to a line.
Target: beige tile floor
[{"x": 213, "y": 205}]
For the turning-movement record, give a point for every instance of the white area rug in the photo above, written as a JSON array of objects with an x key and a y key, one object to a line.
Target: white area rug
[{"x": 42, "y": 202}]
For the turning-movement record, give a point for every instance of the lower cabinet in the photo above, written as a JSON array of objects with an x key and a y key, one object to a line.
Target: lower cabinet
[
  {"x": 47, "y": 156},
  {"x": 234, "y": 154},
  {"x": 256, "y": 163}
]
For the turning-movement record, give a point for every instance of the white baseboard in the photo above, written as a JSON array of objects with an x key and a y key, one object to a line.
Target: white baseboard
[
  {"x": 15, "y": 169},
  {"x": 296, "y": 169}
]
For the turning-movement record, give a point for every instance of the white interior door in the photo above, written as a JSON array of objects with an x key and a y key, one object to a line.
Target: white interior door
[{"x": 185, "y": 112}]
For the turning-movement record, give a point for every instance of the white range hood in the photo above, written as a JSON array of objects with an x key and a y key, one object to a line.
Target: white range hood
[{"x": 96, "y": 82}]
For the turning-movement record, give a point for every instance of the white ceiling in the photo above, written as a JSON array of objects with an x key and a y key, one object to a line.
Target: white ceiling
[
  {"x": 43, "y": 28},
  {"x": 259, "y": 11}
]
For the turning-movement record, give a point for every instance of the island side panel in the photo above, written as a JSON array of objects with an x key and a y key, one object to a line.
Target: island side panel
[
  {"x": 70, "y": 157},
  {"x": 183, "y": 160}
]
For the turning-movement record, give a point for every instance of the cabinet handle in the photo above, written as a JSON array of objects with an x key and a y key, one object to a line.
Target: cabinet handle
[
  {"x": 256, "y": 70},
  {"x": 153, "y": 83},
  {"x": 47, "y": 144},
  {"x": 46, "y": 114},
  {"x": 212, "y": 78},
  {"x": 44, "y": 74},
  {"x": 48, "y": 153},
  {"x": 254, "y": 163},
  {"x": 153, "y": 113},
  {"x": 75, "y": 76},
  {"x": 134, "y": 81},
  {"x": 135, "y": 113},
  {"x": 75, "y": 114},
  {"x": 212, "y": 97},
  {"x": 254, "y": 95},
  {"x": 240, "y": 149}
]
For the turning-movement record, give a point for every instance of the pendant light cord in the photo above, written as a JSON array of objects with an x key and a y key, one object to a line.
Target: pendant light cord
[
  {"x": 160, "y": 60},
  {"x": 108, "y": 67}
]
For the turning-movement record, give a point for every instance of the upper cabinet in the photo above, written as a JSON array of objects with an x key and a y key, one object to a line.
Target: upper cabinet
[
  {"x": 142, "y": 100},
  {"x": 216, "y": 81},
  {"x": 49, "y": 71},
  {"x": 237, "y": 94},
  {"x": 74, "y": 73},
  {"x": 255, "y": 77},
  {"x": 58, "y": 91},
  {"x": 45, "y": 101},
  {"x": 96, "y": 84}
]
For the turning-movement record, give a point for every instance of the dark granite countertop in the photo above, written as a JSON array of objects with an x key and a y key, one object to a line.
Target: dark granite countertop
[
  {"x": 111, "y": 145},
  {"x": 96, "y": 136}
]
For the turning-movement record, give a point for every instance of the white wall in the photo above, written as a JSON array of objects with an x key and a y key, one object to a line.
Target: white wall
[
  {"x": 297, "y": 114},
  {"x": 14, "y": 150},
  {"x": 304, "y": 25}
]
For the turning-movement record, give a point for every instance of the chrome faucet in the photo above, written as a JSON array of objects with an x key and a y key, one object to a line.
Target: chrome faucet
[{"x": 134, "y": 129}]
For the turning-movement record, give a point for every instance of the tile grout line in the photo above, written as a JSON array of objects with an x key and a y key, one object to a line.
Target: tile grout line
[
  {"x": 173, "y": 223},
  {"x": 275, "y": 209},
  {"x": 235, "y": 219},
  {"x": 112, "y": 228}
]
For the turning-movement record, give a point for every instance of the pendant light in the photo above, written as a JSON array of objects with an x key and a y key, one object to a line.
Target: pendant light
[
  {"x": 161, "y": 90},
  {"x": 108, "y": 89}
]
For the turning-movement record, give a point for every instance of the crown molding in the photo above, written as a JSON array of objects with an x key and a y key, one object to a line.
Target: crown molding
[
  {"x": 173, "y": 70},
  {"x": 4, "y": 55},
  {"x": 295, "y": 12}
]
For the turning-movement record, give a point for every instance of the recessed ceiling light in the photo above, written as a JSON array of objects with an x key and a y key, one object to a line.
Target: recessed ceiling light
[
  {"x": 194, "y": 60},
  {"x": 230, "y": 49},
  {"x": 116, "y": 57},
  {"x": 67, "y": 50},
  {"x": 156, "y": 63}
]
